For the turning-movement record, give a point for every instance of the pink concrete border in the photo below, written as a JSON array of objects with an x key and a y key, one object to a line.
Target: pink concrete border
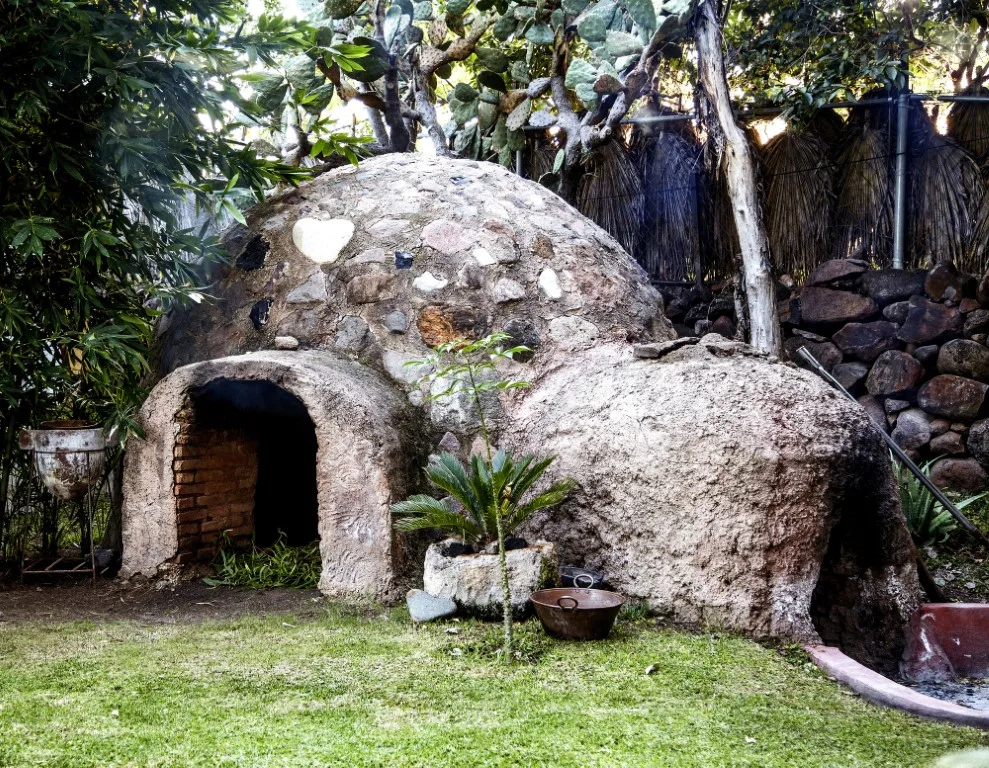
[{"x": 881, "y": 690}]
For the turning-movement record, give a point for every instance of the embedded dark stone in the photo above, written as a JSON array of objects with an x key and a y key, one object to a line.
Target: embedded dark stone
[
  {"x": 967, "y": 305},
  {"x": 949, "y": 443},
  {"x": 945, "y": 283},
  {"x": 722, "y": 305},
  {"x": 886, "y": 286},
  {"x": 826, "y": 353},
  {"x": 254, "y": 253},
  {"x": 353, "y": 335},
  {"x": 964, "y": 358},
  {"x": 913, "y": 430},
  {"x": 897, "y": 312},
  {"x": 953, "y": 397},
  {"x": 825, "y": 307},
  {"x": 403, "y": 260},
  {"x": 367, "y": 289},
  {"x": 396, "y": 321},
  {"x": 837, "y": 273},
  {"x": 939, "y": 426},
  {"x": 850, "y": 375},
  {"x": 524, "y": 333},
  {"x": 695, "y": 313},
  {"x": 894, "y": 373},
  {"x": 724, "y": 326},
  {"x": 702, "y": 327},
  {"x": 866, "y": 341},
  {"x": 808, "y": 335},
  {"x": 959, "y": 474},
  {"x": 982, "y": 292},
  {"x": 978, "y": 441},
  {"x": 874, "y": 408},
  {"x": 977, "y": 322},
  {"x": 892, "y": 405},
  {"x": 929, "y": 322},
  {"x": 259, "y": 313},
  {"x": 926, "y": 355},
  {"x": 659, "y": 349}
]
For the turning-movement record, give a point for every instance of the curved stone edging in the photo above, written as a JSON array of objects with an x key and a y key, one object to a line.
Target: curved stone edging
[{"x": 881, "y": 690}]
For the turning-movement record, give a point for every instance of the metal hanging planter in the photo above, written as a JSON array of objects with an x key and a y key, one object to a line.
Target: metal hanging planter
[{"x": 69, "y": 456}]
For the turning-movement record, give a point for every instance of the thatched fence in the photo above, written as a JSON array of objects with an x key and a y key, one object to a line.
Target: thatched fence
[{"x": 827, "y": 191}]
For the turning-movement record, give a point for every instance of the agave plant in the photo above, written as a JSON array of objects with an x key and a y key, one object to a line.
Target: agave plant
[
  {"x": 491, "y": 495},
  {"x": 927, "y": 519}
]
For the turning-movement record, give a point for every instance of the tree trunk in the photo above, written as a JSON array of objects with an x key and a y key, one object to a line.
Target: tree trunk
[{"x": 760, "y": 291}]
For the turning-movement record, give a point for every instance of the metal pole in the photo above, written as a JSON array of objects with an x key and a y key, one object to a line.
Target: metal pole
[
  {"x": 900, "y": 453},
  {"x": 900, "y": 201},
  {"x": 518, "y": 162}
]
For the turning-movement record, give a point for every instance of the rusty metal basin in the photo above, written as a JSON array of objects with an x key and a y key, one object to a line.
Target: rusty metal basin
[
  {"x": 69, "y": 456},
  {"x": 570, "y": 613}
]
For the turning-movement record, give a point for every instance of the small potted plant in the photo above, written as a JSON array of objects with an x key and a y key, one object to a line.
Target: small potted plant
[{"x": 487, "y": 499}]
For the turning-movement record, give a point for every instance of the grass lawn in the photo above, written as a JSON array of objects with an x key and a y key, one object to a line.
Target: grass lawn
[{"x": 370, "y": 690}]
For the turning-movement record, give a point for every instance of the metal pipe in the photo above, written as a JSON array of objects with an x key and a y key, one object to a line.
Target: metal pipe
[
  {"x": 900, "y": 201},
  {"x": 519, "y": 165},
  {"x": 900, "y": 453}
]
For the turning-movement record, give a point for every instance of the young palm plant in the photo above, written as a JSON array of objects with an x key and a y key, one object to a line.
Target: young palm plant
[{"x": 494, "y": 489}]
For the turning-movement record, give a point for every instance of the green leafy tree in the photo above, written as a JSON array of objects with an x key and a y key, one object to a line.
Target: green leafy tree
[
  {"x": 494, "y": 489},
  {"x": 113, "y": 115}
]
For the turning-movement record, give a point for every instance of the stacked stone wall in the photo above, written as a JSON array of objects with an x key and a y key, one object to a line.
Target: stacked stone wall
[{"x": 909, "y": 344}]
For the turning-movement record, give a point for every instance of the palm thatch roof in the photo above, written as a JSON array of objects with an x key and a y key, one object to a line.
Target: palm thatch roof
[
  {"x": 669, "y": 161},
  {"x": 946, "y": 190},
  {"x": 863, "y": 208},
  {"x": 797, "y": 200},
  {"x": 968, "y": 124},
  {"x": 610, "y": 193}
]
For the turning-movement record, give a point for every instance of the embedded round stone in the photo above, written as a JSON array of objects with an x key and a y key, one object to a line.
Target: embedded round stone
[{"x": 322, "y": 241}]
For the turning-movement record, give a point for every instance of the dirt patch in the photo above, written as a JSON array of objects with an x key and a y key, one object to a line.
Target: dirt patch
[{"x": 185, "y": 601}]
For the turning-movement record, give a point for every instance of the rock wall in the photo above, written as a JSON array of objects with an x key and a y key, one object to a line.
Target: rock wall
[{"x": 910, "y": 345}]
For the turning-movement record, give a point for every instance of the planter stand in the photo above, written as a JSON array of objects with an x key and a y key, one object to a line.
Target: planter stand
[{"x": 69, "y": 456}]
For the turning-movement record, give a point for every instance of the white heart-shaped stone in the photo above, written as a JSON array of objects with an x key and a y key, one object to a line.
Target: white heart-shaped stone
[{"x": 322, "y": 240}]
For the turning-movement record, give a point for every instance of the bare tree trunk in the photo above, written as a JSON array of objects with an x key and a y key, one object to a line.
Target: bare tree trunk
[{"x": 760, "y": 291}]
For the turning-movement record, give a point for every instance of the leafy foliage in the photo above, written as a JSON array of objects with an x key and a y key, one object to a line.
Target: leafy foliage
[
  {"x": 927, "y": 520},
  {"x": 485, "y": 492},
  {"x": 280, "y": 566},
  {"x": 113, "y": 115}
]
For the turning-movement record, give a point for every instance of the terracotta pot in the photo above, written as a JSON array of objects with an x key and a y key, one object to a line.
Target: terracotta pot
[{"x": 69, "y": 456}]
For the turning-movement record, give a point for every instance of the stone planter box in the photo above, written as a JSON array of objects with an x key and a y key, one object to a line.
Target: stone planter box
[{"x": 473, "y": 581}]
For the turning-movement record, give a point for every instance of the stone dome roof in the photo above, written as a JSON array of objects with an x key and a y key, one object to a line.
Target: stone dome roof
[{"x": 409, "y": 250}]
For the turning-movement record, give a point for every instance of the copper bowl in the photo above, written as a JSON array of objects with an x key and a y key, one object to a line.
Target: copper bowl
[{"x": 570, "y": 613}]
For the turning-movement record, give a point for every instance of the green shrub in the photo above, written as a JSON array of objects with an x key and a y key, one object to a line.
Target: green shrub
[{"x": 278, "y": 566}]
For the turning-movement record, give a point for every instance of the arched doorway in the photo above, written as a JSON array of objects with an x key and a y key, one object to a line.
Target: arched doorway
[{"x": 247, "y": 469}]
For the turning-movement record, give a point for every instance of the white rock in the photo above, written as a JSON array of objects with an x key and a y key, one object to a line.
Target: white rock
[
  {"x": 286, "y": 342},
  {"x": 321, "y": 241},
  {"x": 474, "y": 581},
  {"x": 484, "y": 257},
  {"x": 549, "y": 284},
  {"x": 427, "y": 282}
]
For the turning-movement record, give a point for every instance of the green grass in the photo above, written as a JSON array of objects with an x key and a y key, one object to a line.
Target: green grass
[{"x": 370, "y": 690}]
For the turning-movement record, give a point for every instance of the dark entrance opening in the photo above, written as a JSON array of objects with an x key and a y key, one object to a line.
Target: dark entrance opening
[{"x": 279, "y": 424}]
